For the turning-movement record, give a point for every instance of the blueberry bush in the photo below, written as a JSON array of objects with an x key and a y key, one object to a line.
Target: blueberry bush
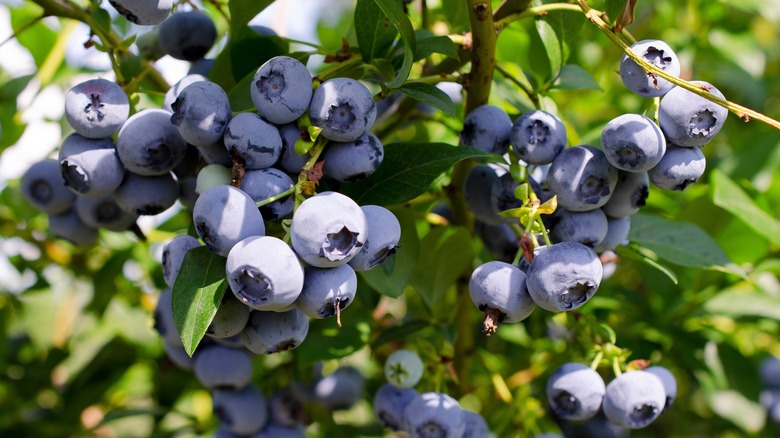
[{"x": 434, "y": 218}]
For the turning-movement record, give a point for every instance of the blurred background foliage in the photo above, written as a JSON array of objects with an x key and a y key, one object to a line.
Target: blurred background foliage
[{"x": 79, "y": 356}]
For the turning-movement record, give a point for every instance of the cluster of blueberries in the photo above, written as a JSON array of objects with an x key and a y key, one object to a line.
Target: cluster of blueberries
[
  {"x": 632, "y": 400},
  {"x": 399, "y": 407},
  {"x": 224, "y": 365},
  {"x": 597, "y": 190}
]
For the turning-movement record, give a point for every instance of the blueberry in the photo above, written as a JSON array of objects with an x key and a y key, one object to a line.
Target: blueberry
[
  {"x": 634, "y": 399},
  {"x": 679, "y": 168},
  {"x": 326, "y": 292},
  {"x": 290, "y": 161},
  {"x": 487, "y": 128},
  {"x": 187, "y": 35},
  {"x": 272, "y": 430},
  {"x": 263, "y": 30},
  {"x": 433, "y": 414},
  {"x": 43, "y": 187},
  {"x": 477, "y": 192},
  {"x": 285, "y": 407},
  {"x": 96, "y": 108},
  {"x": 178, "y": 356},
  {"x": 281, "y": 89},
  {"x": 691, "y": 120},
  {"x": 163, "y": 319},
  {"x": 770, "y": 400},
  {"x": 630, "y": 194},
  {"x": 69, "y": 226},
  {"x": 223, "y": 368},
  {"x": 147, "y": 195},
  {"x": 769, "y": 371},
  {"x": 201, "y": 66},
  {"x": 582, "y": 178},
  {"x": 231, "y": 317},
  {"x": 617, "y": 234},
  {"x": 149, "y": 144},
  {"x": 341, "y": 389},
  {"x": 668, "y": 381},
  {"x": 173, "y": 254},
  {"x": 353, "y": 160},
  {"x": 474, "y": 425},
  {"x": 201, "y": 112},
  {"x": 501, "y": 241},
  {"x": 389, "y": 404},
  {"x": 645, "y": 84},
  {"x": 586, "y": 227},
  {"x": 384, "y": 233},
  {"x": 234, "y": 341},
  {"x": 254, "y": 140},
  {"x": 143, "y": 12},
  {"x": 564, "y": 276},
  {"x": 403, "y": 368},
  {"x": 187, "y": 194},
  {"x": 274, "y": 332},
  {"x": 344, "y": 109},
  {"x": 149, "y": 45},
  {"x": 189, "y": 165},
  {"x": 264, "y": 273},
  {"x": 175, "y": 90},
  {"x": 633, "y": 142},
  {"x": 500, "y": 288},
  {"x": 90, "y": 167},
  {"x": 537, "y": 137},
  {"x": 212, "y": 175},
  {"x": 104, "y": 213},
  {"x": 575, "y": 391},
  {"x": 597, "y": 426},
  {"x": 262, "y": 184},
  {"x": 502, "y": 196},
  {"x": 215, "y": 153},
  {"x": 223, "y": 216},
  {"x": 242, "y": 412},
  {"x": 328, "y": 230}
]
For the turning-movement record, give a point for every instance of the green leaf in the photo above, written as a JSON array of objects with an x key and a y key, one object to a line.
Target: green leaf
[
  {"x": 103, "y": 19},
  {"x": 744, "y": 304},
  {"x": 613, "y": 8},
  {"x": 435, "y": 44},
  {"x": 394, "y": 12},
  {"x": 729, "y": 196},
  {"x": 399, "y": 332},
  {"x": 445, "y": 253},
  {"x": 735, "y": 407},
  {"x": 681, "y": 243},
  {"x": 38, "y": 38},
  {"x": 392, "y": 283},
  {"x": 555, "y": 33},
  {"x": 641, "y": 254},
  {"x": 427, "y": 93},
  {"x": 407, "y": 171},
  {"x": 243, "y": 11},
  {"x": 240, "y": 96},
  {"x": 197, "y": 294},
  {"x": 374, "y": 32},
  {"x": 552, "y": 44},
  {"x": 574, "y": 77}
]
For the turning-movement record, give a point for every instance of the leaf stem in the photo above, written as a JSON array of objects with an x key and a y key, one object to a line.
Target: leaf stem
[
  {"x": 742, "y": 112},
  {"x": 616, "y": 366},
  {"x": 597, "y": 360}
]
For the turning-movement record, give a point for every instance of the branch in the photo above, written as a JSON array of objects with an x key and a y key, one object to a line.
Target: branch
[
  {"x": 535, "y": 12},
  {"x": 510, "y": 7},
  {"x": 742, "y": 112},
  {"x": 483, "y": 53}
]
